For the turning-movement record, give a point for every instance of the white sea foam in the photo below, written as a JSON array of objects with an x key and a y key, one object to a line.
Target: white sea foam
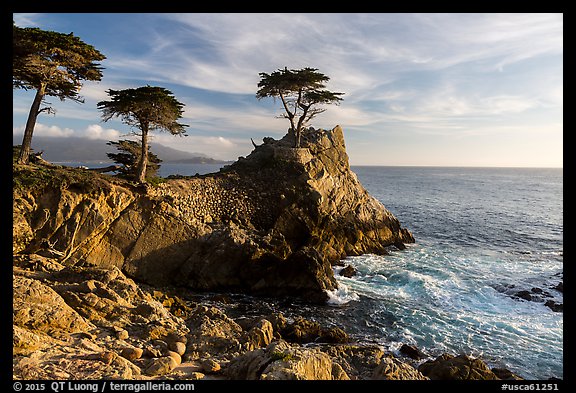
[
  {"x": 446, "y": 301},
  {"x": 479, "y": 241},
  {"x": 341, "y": 295}
]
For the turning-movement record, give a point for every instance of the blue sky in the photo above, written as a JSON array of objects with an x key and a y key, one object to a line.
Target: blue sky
[{"x": 420, "y": 89}]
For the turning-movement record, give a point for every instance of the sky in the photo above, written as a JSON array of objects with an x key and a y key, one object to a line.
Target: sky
[{"x": 426, "y": 89}]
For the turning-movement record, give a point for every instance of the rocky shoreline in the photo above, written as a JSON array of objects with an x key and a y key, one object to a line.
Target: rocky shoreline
[
  {"x": 272, "y": 223},
  {"x": 100, "y": 266},
  {"x": 75, "y": 323}
]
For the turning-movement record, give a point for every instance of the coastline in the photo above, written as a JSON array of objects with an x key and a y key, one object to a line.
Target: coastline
[
  {"x": 86, "y": 286},
  {"x": 98, "y": 323}
]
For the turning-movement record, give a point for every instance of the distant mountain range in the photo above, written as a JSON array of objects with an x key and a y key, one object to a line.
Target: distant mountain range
[{"x": 75, "y": 149}]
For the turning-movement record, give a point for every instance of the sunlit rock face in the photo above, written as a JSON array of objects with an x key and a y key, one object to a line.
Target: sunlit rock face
[{"x": 270, "y": 224}]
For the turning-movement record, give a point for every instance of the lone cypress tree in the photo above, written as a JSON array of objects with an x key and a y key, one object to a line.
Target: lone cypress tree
[
  {"x": 53, "y": 64},
  {"x": 301, "y": 91},
  {"x": 146, "y": 108}
]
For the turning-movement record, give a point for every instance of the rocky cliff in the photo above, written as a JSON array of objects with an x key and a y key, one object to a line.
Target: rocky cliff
[{"x": 272, "y": 223}]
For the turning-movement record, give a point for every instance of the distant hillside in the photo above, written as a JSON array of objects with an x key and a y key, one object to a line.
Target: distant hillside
[{"x": 64, "y": 149}]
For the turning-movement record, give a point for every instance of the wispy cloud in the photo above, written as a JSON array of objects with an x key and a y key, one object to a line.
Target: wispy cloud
[
  {"x": 402, "y": 74},
  {"x": 27, "y": 20}
]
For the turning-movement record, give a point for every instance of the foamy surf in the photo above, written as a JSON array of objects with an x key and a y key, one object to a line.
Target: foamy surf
[{"x": 341, "y": 295}]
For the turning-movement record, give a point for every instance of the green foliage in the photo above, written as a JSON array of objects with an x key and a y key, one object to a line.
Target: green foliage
[
  {"x": 146, "y": 108},
  {"x": 60, "y": 61},
  {"x": 301, "y": 91},
  {"x": 155, "y": 180},
  {"x": 129, "y": 156},
  {"x": 38, "y": 177},
  {"x": 281, "y": 356},
  {"x": 53, "y": 64},
  {"x": 16, "y": 152}
]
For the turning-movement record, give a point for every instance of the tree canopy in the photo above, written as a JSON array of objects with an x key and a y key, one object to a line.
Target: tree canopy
[
  {"x": 129, "y": 157},
  {"x": 146, "y": 109},
  {"x": 301, "y": 92},
  {"x": 53, "y": 64}
]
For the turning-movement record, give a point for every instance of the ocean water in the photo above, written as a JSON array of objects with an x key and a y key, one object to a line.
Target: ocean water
[
  {"x": 478, "y": 231},
  {"x": 482, "y": 234}
]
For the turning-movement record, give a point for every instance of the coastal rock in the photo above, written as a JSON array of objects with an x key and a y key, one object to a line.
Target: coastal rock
[
  {"x": 210, "y": 366},
  {"x": 535, "y": 294},
  {"x": 131, "y": 353},
  {"x": 281, "y": 361},
  {"x": 460, "y": 367},
  {"x": 559, "y": 287},
  {"x": 161, "y": 366},
  {"x": 358, "y": 361},
  {"x": 260, "y": 335},
  {"x": 556, "y": 307},
  {"x": 348, "y": 271},
  {"x": 412, "y": 352},
  {"x": 305, "y": 331},
  {"x": 269, "y": 224},
  {"x": 391, "y": 368},
  {"x": 212, "y": 332},
  {"x": 503, "y": 373},
  {"x": 82, "y": 323},
  {"x": 38, "y": 308}
]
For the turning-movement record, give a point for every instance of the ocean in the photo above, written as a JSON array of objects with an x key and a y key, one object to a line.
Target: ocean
[{"x": 483, "y": 235}]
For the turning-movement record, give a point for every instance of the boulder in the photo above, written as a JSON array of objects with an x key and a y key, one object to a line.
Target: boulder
[
  {"x": 305, "y": 331},
  {"x": 358, "y": 361},
  {"x": 38, "y": 308},
  {"x": 81, "y": 323},
  {"x": 260, "y": 335},
  {"x": 391, "y": 368},
  {"x": 213, "y": 332},
  {"x": 161, "y": 366},
  {"x": 462, "y": 367},
  {"x": 412, "y": 352},
  {"x": 348, "y": 271},
  {"x": 282, "y": 361}
]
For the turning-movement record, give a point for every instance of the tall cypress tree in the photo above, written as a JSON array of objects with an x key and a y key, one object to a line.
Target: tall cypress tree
[
  {"x": 53, "y": 64},
  {"x": 301, "y": 92},
  {"x": 146, "y": 108}
]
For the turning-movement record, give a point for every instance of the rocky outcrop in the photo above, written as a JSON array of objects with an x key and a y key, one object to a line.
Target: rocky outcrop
[
  {"x": 462, "y": 367},
  {"x": 272, "y": 223},
  {"x": 281, "y": 361},
  {"x": 88, "y": 323},
  {"x": 392, "y": 369},
  {"x": 93, "y": 323},
  {"x": 538, "y": 294}
]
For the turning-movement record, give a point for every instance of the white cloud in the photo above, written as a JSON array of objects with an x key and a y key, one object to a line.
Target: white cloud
[
  {"x": 218, "y": 147},
  {"x": 44, "y": 130},
  {"x": 26, "y": 20},
  {"x": 95, "y": 131},
  {"x": 413, "y": 73}
]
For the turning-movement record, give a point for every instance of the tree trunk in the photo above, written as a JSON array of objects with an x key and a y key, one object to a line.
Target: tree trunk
[
  {"x": 297, "y": 137},
  {"x": 141, "y": 175},
  {"x": 24, "y": 156},
  {"x": 298, "y": 132}
]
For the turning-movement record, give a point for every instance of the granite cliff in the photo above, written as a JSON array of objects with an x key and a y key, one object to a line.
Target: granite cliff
[{"x": 272, "y": 223}]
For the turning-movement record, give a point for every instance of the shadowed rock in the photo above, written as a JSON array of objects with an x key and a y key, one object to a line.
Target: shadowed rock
[{"x": 272, "y": 223}]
